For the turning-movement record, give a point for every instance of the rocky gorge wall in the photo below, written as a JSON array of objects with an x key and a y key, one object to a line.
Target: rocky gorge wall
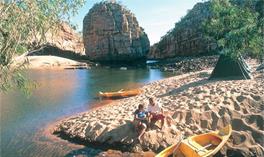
[
  {"x": 187, "y": 37},
  {"x": 63, "y": 42},
  {"x": 111, "y": 33},
  {"x": 66, "y": 38}
]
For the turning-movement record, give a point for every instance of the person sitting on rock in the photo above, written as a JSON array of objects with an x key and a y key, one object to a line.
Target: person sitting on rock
[
  {"x": 141, "y": 120},
  {"x": 156, "y": 112}
]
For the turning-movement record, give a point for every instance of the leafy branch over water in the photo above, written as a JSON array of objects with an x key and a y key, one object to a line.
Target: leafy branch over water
[{"x": 23, "y": 27}]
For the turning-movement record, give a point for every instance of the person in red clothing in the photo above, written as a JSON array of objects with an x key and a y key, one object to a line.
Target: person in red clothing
[{"x": 156, "y": 112}]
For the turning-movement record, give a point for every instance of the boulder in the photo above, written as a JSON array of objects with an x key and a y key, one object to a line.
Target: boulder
[{"x": 111, "y": 33}]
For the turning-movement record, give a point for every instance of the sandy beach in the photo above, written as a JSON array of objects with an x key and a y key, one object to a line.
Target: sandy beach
[
  {"x": 49, "y": 62},
  {"x": 196, "y": 104}
]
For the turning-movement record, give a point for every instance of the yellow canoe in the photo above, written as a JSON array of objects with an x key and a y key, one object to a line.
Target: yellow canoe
[
  {"x": 203, "y": 145},
  {"x": 121, "y": 93}
]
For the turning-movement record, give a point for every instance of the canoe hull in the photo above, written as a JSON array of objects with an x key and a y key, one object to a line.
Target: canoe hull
[
  {"x": 119, "y": 94},
  {"x": 203, "y": 145}
]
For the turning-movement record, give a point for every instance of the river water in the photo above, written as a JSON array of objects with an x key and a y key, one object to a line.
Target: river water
[{"x": 58, "y": 94}]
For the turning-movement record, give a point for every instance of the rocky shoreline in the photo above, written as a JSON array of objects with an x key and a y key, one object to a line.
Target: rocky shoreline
[
  {"x": 197, "y": 105},
  {"x": 181, "y": 65}
]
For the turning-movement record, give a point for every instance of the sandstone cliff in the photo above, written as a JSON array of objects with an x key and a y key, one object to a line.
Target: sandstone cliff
[
  {"x": 63, "y": 42},
  {"x": 111, "y": 33},
  {"x": 66, "y": 38},
  {"x": 187, "y": 37}
]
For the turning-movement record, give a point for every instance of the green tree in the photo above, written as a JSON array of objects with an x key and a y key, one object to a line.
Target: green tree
[
  {"x": 23, "y": 26},
  {"x": 260, "y": 9},
  {"x": 236, "y": 29}
]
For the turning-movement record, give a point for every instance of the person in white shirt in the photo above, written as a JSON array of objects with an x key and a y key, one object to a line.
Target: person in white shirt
[{"x": 156, "y": 112}]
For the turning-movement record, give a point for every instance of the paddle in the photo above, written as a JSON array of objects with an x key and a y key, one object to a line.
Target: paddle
[
  {"x": 204, "y": 148},
  {"x": 177, "y": 145},
  {"x": 121, "y": 90}
]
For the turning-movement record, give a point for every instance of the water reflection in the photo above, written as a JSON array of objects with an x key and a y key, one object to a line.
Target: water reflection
[
  {"x": 60, "y": 93},
  {"x": 51, "y": 82}
]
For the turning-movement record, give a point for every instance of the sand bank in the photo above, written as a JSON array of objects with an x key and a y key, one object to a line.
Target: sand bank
[
  {"x": 197, "y": 105},
  {"x": 49, "y": 62}
]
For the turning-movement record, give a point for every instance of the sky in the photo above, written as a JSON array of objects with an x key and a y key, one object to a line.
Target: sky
[{"x": 157, "y": 17}]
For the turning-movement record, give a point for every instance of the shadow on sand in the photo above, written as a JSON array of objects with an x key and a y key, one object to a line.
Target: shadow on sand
[
  {"x": 121, "y": 138},
  {"x": 189, "y": 85}
]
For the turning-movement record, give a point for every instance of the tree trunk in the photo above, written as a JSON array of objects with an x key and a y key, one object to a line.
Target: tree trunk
[{"x": 231, "y": 69}]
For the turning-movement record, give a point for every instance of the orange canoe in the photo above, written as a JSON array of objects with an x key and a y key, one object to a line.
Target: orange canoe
[{"x": 120, "y": 94}]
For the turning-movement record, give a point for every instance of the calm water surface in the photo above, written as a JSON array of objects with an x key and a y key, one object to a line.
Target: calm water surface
[{"x": 59, "y": 94}]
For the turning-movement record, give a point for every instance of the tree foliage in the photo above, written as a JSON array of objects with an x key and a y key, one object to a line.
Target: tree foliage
[
  {"x": 23, "y": 26},
  {"x": 237, "y": 29}
]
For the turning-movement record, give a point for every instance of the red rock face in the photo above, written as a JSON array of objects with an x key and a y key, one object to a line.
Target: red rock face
[
  {"x": 112, "y": 33},
  {"x": 66, "y": 38}
]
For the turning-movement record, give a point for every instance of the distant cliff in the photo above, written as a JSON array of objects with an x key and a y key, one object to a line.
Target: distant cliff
[
  {"x": 63, "y": 42},
  {"x": 111, "y": 33},
  {"x": 187, "y": 37},
  {"x": 66, "y": 38}
]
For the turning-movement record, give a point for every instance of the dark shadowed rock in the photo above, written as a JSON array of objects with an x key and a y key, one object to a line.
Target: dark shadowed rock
[{"x": 111, "y": 33}]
